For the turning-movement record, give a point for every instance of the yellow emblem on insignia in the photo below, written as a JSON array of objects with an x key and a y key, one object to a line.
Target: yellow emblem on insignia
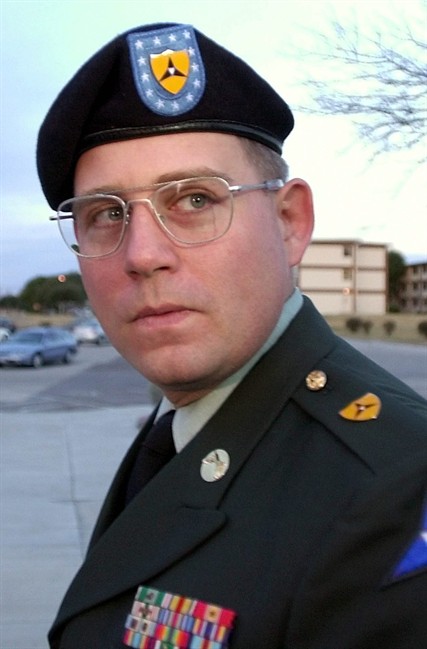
[
  {"x": 213, "y": 613},
  {"x": 362, "y": 409},
  {"x": 171, "y": 69}
]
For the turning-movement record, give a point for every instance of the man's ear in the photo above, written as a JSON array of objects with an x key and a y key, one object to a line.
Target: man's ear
[{"x": 295, "y": 210}]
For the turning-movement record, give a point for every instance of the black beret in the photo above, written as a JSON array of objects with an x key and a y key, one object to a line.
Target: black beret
[{"x": 153, "y": 80}]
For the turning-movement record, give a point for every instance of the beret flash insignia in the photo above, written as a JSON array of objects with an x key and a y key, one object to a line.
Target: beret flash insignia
[{"x": 167, "y": 69}]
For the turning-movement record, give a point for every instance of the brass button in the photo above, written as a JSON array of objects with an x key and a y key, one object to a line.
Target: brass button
[
  {"x": 316, "y": 380},
  {"x": 215, "y": 465}
]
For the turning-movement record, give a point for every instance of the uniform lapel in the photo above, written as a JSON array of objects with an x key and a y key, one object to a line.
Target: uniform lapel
[{"x": 178, "y": 510}]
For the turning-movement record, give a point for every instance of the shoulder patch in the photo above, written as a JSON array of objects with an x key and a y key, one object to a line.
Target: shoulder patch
[{"x": 414, "y": 559}]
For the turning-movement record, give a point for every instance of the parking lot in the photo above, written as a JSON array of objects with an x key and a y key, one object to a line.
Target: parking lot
[
  {"x": 407, "y": 362},
  {"x": 96, "y": 377}
]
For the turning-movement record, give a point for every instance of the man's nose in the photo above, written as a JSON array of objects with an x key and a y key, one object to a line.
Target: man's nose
[{"x": 146, "y": 247}]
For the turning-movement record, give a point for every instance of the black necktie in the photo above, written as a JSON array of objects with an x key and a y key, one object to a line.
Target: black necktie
[{"x": 155, "y": 451}]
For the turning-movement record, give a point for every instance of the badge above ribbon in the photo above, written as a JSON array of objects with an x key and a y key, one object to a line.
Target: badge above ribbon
[
  {"x": 161, "y": 620},
  {"x": 167, "y": 69}
]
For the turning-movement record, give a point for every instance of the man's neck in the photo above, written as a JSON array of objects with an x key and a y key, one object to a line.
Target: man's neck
[{"x": 191, "y": 417}]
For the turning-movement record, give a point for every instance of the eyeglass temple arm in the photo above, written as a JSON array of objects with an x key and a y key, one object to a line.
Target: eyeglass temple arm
[
  {"x": 62, "y": 217},
  {"x": 269, "y": 185}
]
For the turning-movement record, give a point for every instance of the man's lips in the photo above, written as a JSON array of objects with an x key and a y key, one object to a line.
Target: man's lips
[{"x": 162, "y": 315}]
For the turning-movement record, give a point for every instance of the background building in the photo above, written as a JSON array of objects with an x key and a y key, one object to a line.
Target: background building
[
  {"x": 413, "y": 298},
  {"x": 345, "y": 276}
]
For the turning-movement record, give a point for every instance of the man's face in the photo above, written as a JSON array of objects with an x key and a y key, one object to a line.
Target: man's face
[{"x": 188, "y": 317}]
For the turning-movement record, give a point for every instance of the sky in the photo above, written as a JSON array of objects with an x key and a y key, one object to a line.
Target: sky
[{"x": 44, "y": 42}]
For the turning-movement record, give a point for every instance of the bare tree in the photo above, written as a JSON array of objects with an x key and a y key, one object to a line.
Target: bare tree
[{"x": 380, "y": 79}]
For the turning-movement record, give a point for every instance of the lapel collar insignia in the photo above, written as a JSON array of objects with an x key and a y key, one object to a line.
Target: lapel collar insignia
[
  {"x": 362, "y": 409},
  {"x": 161, "y": 620}
]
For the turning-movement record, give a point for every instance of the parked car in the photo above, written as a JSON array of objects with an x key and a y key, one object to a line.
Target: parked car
[
  {"x": 36, "y": 346},
  {"x": 4, "y": 333},
  {"x": 89, "y": 331},
  {"x": 8, "y": 324}
]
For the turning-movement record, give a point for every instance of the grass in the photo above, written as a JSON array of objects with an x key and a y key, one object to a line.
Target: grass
[
  {"x": 406, "y": 329},
  {"x": 23, "y": 319}
]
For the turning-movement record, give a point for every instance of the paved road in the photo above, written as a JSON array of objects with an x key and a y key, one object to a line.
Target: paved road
[
  {"x": 64, "y": 430},
  {"x": 407, "y": 362},
  {"x": 55, "y": 470}
]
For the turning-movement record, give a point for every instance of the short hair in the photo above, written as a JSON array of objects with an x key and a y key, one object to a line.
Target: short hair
[{"x": 268, "y": 162}]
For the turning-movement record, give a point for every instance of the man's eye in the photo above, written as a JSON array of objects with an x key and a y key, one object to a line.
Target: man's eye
[
  {"x": 195, "y": 201},
  {"x": 113, "y": 214},
  {"x": 104, "y": 216},
  {"x": 199, "y": 201}
]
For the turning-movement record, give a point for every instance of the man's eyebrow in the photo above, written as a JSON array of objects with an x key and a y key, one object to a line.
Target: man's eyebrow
[
  {"x": 163, "y": 178},
  {"x": 193, "y": 173}
]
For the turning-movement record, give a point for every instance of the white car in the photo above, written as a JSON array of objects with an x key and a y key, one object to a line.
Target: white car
[
  {"x": 4, "y": 333},
  {"x": 89, "y": 331}
]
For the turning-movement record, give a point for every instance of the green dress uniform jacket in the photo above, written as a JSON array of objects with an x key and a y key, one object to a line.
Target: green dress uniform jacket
[{"x": 315, "y": 536}]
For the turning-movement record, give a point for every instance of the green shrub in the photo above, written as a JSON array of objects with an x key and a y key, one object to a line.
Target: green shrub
[
  {"x": 354, "y": 324},
  {"x": 367, "y": 326},
  {"x": 422, "y": 328},
  {"x": 389, "y": 326}
]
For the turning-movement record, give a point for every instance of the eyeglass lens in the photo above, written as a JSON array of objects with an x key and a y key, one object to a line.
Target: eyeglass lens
[{"x": 191, "y": 211}]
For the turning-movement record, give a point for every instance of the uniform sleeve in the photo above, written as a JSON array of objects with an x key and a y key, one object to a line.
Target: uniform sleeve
[{"x": 366, "y": 586}]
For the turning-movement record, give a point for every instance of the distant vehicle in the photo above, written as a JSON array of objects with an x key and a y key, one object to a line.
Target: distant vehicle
[
  {"x": 6, "y": 323},
  {"x": 4, "y": 333},
  {"x": 89, "y": 331},
  {"x": 37, "y": 346}
]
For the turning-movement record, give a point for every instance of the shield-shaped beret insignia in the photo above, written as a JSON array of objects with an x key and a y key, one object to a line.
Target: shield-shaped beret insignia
[
  {"x": 171, "y": 69},
  {"x": 167, "y": 68}
]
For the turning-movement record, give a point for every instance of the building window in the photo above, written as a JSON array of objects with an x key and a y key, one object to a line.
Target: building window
[
  {"x": 348, "y": 251},
  {"x": 347, "y": 273}
]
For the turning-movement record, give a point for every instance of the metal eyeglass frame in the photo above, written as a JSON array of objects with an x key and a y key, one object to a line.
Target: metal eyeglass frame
[{"x": 267, "y": 185}]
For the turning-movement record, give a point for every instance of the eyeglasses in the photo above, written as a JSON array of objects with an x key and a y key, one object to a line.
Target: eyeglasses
[{"x": 190, "y": 211}]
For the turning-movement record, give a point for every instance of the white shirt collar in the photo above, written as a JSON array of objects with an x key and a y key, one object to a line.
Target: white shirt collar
[{"x": 190, "y": 419}]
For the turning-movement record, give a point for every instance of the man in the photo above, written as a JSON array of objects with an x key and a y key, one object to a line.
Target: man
[{"x": 293, "y": 512}]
